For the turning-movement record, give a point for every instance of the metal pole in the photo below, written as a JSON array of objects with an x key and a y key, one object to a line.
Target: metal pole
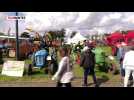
[
  {"x": 17, "y": 40},
  {"x": 9, "y": 33}
]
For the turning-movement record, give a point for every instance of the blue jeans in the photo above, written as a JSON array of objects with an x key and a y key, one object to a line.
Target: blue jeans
[
  {"x": 122, "y": 71},
  {"x": 88, "y": 71}
]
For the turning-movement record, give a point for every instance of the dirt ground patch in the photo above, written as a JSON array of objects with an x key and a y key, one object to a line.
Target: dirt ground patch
[{"x": 43, "y": 83}]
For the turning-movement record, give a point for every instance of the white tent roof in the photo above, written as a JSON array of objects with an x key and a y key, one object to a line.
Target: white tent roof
[{"x": 78, "y": 37}]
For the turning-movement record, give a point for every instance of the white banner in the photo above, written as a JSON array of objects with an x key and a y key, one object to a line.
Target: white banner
[
  {"x": 13, "y": 68},
  {"x": 12, "y": 53}
]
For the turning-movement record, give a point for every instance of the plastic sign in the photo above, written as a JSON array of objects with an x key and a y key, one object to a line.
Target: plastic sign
[
  {"x": 12, "y": 53},
  {"x": 16, "y": 18},
  {"x": 13, "y": 68}
]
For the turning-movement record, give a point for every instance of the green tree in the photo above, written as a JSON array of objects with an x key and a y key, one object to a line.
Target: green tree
[
  {"x": 52, "y": 35},
  {"x": 62, "y": 34},
  {"x": 59, "y": 34}
]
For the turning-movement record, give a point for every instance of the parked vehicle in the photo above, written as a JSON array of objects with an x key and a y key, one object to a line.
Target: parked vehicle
[
  {"x": 103, "y": 59},
  {"x": 9, "y": 43},
  {"x": 42, "y": 60}
]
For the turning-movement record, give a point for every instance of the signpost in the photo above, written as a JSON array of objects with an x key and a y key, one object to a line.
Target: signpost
[
  {"x": 17, "y": 41},
  {"x": 9, "y": 33},
  {"x": 16, "y": 18},
  {"x": 13, "y": 68}
]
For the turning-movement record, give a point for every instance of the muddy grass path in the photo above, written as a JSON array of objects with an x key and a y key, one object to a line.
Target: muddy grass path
[
  {"x": 113, "y": 81},
  {"x": 76, "y": 83}
]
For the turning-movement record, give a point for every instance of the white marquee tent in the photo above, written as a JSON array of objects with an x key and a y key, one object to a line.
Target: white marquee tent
[{"x": 78, "y": 37}]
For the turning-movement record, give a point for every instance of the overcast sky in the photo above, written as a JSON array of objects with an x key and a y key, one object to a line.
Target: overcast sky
[{"x": 82, "y": 21}]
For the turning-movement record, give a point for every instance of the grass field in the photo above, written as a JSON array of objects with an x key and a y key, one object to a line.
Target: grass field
[{"x": 39, "y": 76}]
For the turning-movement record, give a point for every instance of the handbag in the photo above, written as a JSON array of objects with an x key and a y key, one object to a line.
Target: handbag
[{"x": 69, "y": 73}]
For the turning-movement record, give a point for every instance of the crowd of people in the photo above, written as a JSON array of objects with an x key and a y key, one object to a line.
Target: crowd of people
[
  {"x": 87, "y": 61},
  {"x": 85, "y": 58},
  {"x": 64, "y": 74},
  {"x": 125, "y": 57}
]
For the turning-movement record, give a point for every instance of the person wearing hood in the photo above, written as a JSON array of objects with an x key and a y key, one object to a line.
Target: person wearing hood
[{"x": 88, "y": 63}]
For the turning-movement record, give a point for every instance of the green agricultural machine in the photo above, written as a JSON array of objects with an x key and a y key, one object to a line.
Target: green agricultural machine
[{"x": 103, "y": 59}]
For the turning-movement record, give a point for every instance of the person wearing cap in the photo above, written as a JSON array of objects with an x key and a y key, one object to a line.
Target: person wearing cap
[
  {"x": 88, "y": 63},
  {"x": 85, "y": 48},
  {"x": 78, "y": 49}
]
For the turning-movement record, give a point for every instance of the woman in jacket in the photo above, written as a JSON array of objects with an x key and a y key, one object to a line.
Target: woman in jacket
[{"x": 64, "y": 73}]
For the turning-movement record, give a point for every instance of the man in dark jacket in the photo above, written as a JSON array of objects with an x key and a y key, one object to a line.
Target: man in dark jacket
[{"x": 88, "y": 63}]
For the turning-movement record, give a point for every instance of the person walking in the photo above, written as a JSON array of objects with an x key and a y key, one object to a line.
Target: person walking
[
  {"x": 64, "y": 73},
  {"x": 128, "y": 65},
  {"x": 78, "y": 49},
  {"x": 88, "y": 64},
  {"x": 120, "y": 56}
]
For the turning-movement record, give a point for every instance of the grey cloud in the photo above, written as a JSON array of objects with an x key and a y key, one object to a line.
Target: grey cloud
[{"x": 68, "y": 20}]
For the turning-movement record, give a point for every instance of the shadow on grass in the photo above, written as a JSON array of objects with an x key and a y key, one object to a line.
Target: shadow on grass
[
  {"x": 103, "y": 79},
  {"x": 130, "y": 81},
  {"x": 100, "y": 81}
]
